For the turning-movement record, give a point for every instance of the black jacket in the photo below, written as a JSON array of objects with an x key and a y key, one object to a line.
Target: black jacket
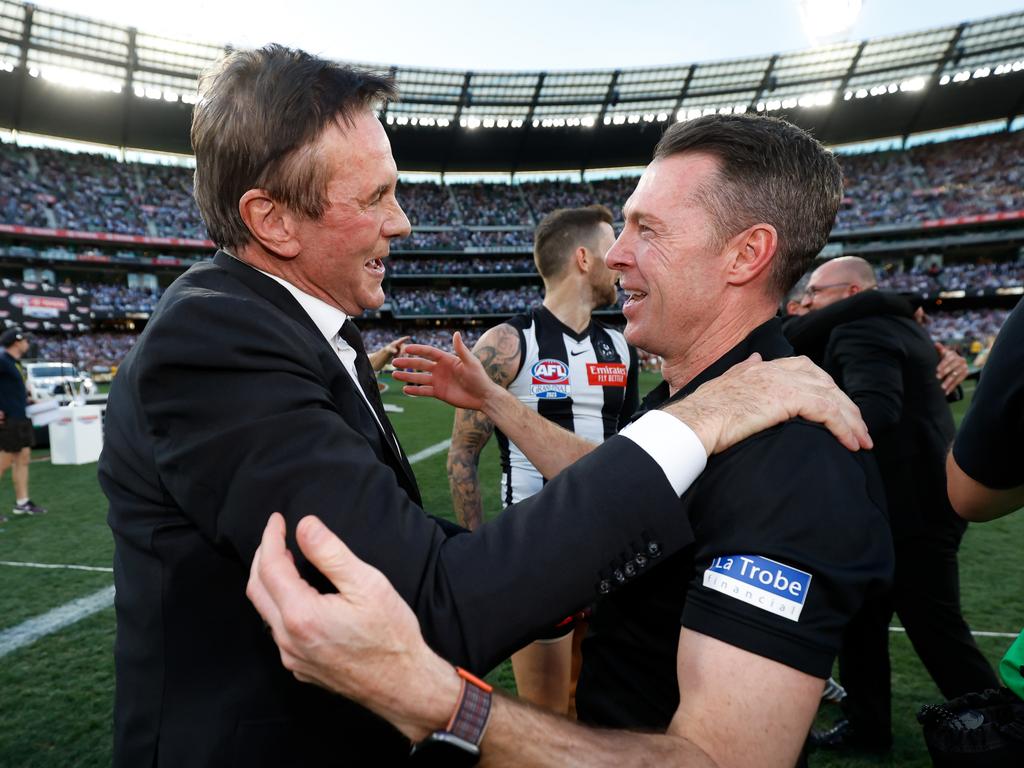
[{"x": 886, "y": 363}]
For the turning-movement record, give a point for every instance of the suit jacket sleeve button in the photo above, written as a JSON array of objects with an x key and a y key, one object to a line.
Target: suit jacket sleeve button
[
  {"x": 653, "y": 549},
  {"x": 604, "y": 587}
]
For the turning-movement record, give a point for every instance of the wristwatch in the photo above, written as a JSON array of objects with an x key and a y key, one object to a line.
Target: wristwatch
[{"x": 459, "y": 743}]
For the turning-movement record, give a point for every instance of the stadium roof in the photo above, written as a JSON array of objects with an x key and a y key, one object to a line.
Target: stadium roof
[{"x": 89, "y": 80}]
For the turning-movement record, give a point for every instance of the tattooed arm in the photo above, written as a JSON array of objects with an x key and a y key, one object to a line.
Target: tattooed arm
[{"x": 499, "y": 352}]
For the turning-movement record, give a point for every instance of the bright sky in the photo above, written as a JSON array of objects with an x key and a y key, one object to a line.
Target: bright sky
[{"x": 523, "y": 34}]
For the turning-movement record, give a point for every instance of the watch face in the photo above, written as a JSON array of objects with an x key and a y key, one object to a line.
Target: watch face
[{"x": 444, "y": 750}]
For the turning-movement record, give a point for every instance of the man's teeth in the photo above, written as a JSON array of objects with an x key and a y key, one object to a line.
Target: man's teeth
[{"x": 635, "y": 295}]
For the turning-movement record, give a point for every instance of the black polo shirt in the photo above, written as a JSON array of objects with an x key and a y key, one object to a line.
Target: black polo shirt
[
  {"x": 13, "y": 397},
  {"x": 989, "y": 443},
  {"x": 790, "y": 536}
]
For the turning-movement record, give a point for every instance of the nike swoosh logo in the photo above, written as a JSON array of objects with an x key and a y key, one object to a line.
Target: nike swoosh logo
[{"x": 573, "y": 354}]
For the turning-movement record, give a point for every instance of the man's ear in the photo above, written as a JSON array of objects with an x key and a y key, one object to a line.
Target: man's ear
[
  {"x": 751, "y": 253},
  {"x": 272, "y": 224},
  {"x": 582, "y": 259}
]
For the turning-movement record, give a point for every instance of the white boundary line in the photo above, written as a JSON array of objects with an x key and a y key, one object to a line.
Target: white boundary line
[
  {"x": 975, "y": 632},
  {"x": 53, "y": 621},
  {"x": 432, "y": 450},
  {"x": 63, "y": 566}
]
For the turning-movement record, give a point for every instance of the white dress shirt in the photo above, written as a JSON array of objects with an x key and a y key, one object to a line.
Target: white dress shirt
[{"x": 328, "y": 321}]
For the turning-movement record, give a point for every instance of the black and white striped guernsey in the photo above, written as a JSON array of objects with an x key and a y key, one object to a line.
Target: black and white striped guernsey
[{"x": 585, "y": 382}]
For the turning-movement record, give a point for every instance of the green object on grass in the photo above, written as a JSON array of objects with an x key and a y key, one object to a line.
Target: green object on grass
[{"x": 1011, "y": 668}]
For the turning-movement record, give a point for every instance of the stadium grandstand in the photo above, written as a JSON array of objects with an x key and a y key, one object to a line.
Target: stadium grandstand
[
  {"x": 97, "y": 219},
  {"x": 926, "y": 125}
]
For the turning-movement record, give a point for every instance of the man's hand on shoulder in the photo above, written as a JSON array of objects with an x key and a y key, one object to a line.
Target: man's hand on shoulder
[
  {"x": 755, "y": 395},
  {"x": 951, "y": 370}
]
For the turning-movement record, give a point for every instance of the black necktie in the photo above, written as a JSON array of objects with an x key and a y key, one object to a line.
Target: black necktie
[{"x": 367, "y": 381}]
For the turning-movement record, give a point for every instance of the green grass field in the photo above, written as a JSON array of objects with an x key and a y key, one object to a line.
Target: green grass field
[{"x": 56, "y": 694}]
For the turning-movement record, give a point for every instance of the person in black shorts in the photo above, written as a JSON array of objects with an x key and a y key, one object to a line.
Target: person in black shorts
[{"x": 16, "y": 436}]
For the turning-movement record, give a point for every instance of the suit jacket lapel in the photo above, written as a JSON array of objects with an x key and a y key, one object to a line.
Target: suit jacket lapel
[{"x": 341, "y": 386}]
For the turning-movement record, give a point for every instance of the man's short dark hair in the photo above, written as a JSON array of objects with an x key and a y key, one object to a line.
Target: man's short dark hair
[
  {"x": 256, "y": 126},
  {"x": 769, "y": 171},
  {"x": 561, "y": 232}
]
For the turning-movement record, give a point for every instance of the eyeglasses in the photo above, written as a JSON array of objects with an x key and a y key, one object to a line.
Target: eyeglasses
[{"x": 814, "y": 290}]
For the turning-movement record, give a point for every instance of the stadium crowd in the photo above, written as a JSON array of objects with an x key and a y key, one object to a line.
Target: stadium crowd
[
  {"x": 970, "y": 277},
  {"x": 51, "y": 188},
  {"x": 463, "y": 300},
  {"x": 932, "y": 181},
  {"x": 474, "y": 266},
  {"x": 87, "y": 351},
  {"x": 119, "y": 298}
]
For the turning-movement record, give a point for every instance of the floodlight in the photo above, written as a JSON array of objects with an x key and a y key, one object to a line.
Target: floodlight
[{"x": 829, "y": 20}]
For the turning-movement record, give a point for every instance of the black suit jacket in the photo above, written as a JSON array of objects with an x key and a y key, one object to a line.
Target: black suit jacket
[
  {"x": 233, "y": 405},
  {"x": 886, "y": 363}
]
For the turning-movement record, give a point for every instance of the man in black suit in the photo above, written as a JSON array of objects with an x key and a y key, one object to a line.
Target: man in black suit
[
  {"x": 882, "y": 358},
  {"x": 249, "y": 392}
]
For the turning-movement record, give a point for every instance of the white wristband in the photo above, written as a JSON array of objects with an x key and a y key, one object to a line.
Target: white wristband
[{"x": 672, "y": 444}]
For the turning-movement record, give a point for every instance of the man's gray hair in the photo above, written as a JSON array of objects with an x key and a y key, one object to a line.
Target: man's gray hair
[{"x": 257, "y": 124}]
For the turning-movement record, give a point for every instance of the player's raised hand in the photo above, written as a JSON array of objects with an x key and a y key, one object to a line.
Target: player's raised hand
[
  {"x": 755, "y": 395},
  {"x": 458, "y": 379},
  {"x": 381, "y": 357}
]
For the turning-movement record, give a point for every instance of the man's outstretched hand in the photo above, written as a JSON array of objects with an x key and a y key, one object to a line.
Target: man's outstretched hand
[
  {"x": 755, "y": 395},
  {"x": 458, "y": 379},
  {"x": 363, "y": 642}
]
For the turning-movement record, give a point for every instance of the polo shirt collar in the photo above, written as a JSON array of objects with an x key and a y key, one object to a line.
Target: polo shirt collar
[{"x": 766, "y": 339}]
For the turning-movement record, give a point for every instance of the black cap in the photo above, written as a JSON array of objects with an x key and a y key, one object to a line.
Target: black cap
[{"x": 10, "y": 336}]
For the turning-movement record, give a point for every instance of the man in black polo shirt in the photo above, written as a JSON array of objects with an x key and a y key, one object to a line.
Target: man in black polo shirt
[
  {"x": 16, "y": 435},
  {"x": 725, "y": 647}
]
